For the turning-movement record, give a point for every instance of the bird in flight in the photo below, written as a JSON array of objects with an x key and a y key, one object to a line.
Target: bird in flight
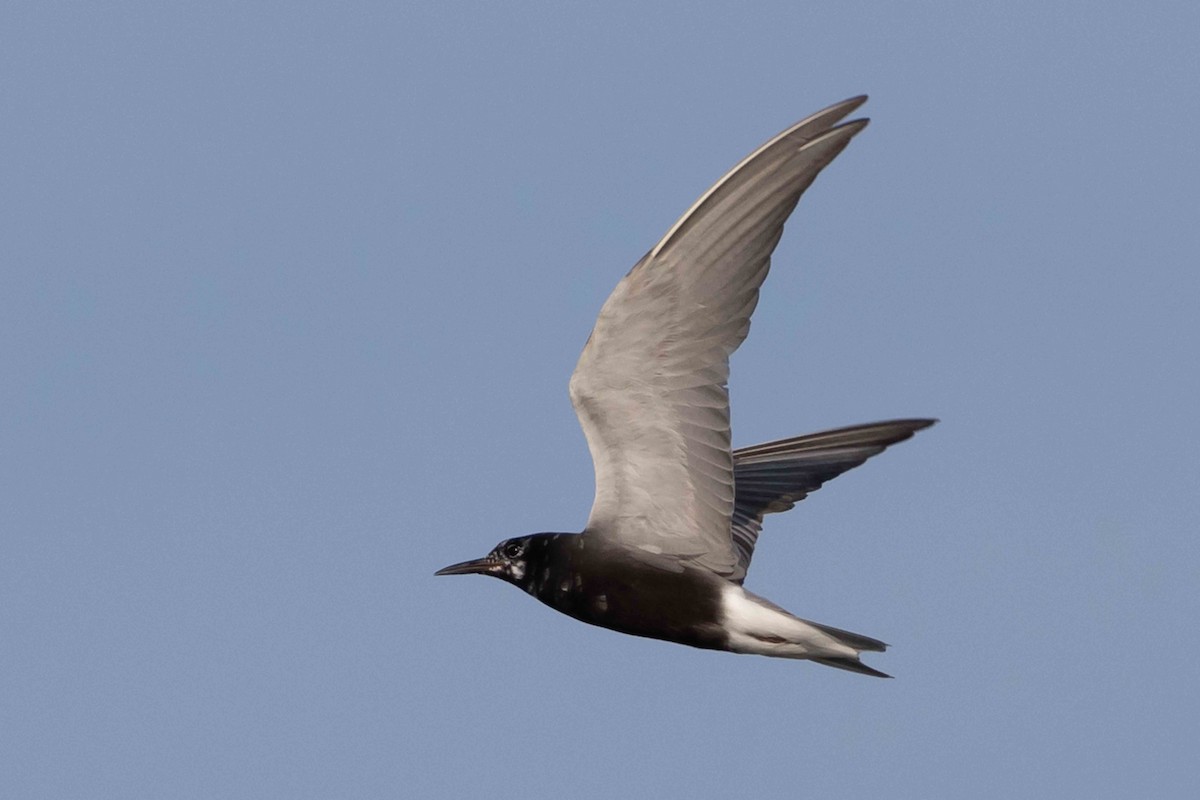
[{"x": 677, "y": 511}]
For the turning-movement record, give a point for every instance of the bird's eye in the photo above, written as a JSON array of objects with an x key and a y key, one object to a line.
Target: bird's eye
[{"x": 513, "y": 550}]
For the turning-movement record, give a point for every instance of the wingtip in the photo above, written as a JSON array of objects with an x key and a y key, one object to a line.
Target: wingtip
[
  {"x": 910, "y": 425},
  {"x": 845, "y": 108},
  {"x": 820, "y": 131},
  {"x": 856, "y": 124},
  {"x": 849, "y": 104}
]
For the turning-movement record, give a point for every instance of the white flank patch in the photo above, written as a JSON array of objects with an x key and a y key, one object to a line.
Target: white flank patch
[{"x": 762, "y": 630}]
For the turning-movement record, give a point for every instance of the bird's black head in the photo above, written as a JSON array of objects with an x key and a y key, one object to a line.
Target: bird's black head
[{"x": 509, "y": 560}]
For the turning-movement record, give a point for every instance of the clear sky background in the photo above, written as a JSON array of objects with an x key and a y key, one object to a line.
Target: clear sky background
[{"x": 289, "y": 297}]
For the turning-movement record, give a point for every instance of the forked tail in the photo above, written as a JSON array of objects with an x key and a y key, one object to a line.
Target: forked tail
[{"x": 858, "y": 642}]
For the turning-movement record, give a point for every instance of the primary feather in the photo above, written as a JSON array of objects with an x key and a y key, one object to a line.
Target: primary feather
[{"x": 650, "y": 388}]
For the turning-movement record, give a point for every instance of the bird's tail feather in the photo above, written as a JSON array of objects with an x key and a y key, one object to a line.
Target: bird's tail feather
[
  {"x": 851, "y": 665},
  {"x": 858, "y": 642},
  {"x": 850, "y": 639}
]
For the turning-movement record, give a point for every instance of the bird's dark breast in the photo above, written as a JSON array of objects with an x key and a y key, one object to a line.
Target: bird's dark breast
[{"x": 606, "y": 586}]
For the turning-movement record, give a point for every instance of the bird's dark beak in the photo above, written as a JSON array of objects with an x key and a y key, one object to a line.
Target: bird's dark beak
[{"x": 482, "y": 566}]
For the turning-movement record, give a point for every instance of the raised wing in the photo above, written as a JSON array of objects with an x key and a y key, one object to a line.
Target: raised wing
[
  {"x": 775, "y": 476},
  {"x": 650, "y": 387}
]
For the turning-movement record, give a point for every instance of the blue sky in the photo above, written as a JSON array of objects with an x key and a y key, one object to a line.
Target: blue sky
[{"x": 289, "y": 297}]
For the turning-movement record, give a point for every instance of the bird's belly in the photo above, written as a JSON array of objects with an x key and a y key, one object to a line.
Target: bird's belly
[{"x": 677, "y": 607}]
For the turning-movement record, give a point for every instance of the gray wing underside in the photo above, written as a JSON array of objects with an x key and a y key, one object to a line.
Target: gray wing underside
[
  {"x": 650, "y": 388},
  {"x": 773, "y": 477}
]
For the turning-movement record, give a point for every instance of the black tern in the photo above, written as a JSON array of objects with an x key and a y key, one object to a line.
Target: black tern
[{"x": 677, "y": 511}]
